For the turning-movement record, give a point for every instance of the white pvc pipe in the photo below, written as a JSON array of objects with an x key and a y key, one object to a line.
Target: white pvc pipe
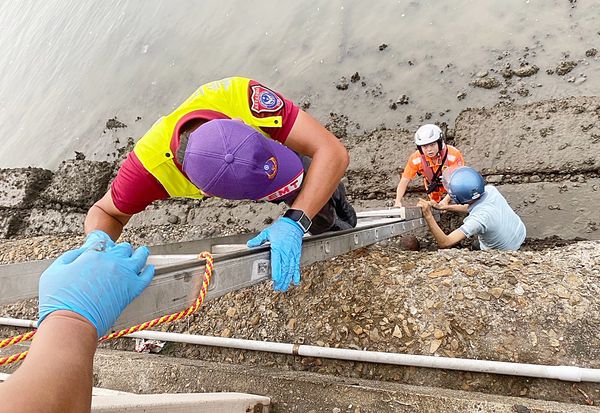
[
  {"x": 567, "y": 373},
  {"x": 15, "y": 322}
]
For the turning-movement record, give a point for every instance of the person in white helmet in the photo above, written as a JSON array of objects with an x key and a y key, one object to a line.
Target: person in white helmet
[{"x": 431, "y": 158}]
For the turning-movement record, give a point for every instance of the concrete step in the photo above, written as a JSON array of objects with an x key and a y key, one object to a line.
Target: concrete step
[{"x": 181, "y": 403}]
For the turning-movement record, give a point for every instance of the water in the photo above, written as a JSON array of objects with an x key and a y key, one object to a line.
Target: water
[{"x": 68, "y": 66}]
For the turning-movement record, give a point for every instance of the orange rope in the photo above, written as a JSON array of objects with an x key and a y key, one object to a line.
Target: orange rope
[
  {"x": 17, "y": 339},
  {"x": 208, "y": 270}
]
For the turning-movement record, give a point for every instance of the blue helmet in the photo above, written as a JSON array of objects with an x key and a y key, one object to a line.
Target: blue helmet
[{"x": 465, "y": 184}]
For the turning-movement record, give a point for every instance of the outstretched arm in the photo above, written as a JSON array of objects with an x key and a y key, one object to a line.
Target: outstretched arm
[
  {"x": 105, "y": 216},
  {"x": 329, "y": 162},
  {"x": 80, "y": 296},
  {"x": 446, "y": 206},
  {"x": 57, "y": 372},
  {"x": 401, "y": 190},
  {"x": 443, "y": 240}
]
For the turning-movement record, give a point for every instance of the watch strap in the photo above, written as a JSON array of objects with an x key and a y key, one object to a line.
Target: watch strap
[{"x": 300, "y": 217}]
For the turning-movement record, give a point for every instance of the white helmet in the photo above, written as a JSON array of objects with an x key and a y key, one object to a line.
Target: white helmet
[{"x": 427, "y": 134}]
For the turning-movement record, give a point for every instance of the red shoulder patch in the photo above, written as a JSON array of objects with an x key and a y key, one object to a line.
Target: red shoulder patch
[{"x": 265, "y": 100}]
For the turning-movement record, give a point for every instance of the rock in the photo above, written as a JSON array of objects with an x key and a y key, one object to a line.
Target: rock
[
  {"x": 533, "y": 339},
  {"x": 374, "y": 335},
  {"x": 435, "y": 345},
  {"x": 357, "y": 330},
  {"x": 438, "y": 334},
  {"x": 410, "y": 243},
  {"x": 304, "y": 103},
  {"x": 496, "y": 292},
  {"x": 486, "y": 82},
  {"x": 291, "y": 324},
  {"x": 231, "y": 312},
  {"x": 506, "y": 73},
  {"x": 591, "y": 52},
  {"x": 526, "y": 71},
  {"x": 565, "y": 67},
  {"x": 355, "y": 77},
  {"x": 114, "y": 123},
  {"x": 461, "y": 95},
  {"x": 397, "y": 332},
  {"x": 441, "y": 272},
  {"x": 342, "y": 84},
  {"x": 382, "y": 47}
]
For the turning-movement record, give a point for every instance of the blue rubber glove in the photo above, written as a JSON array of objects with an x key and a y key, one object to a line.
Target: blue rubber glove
[
  {"x": 96, "y": 281},
  {"x": 96, "y": 238},
  {"x": 285, "y": 236}
]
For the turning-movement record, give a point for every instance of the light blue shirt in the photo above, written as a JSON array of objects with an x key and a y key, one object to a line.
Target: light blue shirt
[{"x": 494, "y": 222}]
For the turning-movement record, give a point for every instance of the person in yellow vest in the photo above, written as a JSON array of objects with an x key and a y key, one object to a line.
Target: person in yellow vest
[{"x": 237, "y": 139}]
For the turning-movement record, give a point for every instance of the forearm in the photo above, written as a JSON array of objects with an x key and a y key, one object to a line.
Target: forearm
[
  {"x": 59, "y": 364},
  {"x": 457, "y": 208},
  {"x": 401, "y": 189},
  {"x": 98, "y": 218},
  {"x": 326, "y": 170},
  {"x": 441, "y": 238}
]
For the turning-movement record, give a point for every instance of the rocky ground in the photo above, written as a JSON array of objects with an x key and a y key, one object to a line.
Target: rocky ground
[
  {"x": 538, "y": 305},
  {"x": 532, "y": 307}
]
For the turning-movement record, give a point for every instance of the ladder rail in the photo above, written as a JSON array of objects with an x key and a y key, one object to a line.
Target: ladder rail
[{"x": 176, "y": 284}]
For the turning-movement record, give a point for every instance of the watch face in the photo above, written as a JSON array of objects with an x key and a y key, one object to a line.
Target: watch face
[{"x": 300, "y": 217}]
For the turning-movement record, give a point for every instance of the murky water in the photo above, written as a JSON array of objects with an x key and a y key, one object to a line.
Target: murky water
[{"x": 68, "y": 66}]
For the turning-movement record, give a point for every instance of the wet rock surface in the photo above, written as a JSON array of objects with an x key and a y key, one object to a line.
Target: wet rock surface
[{"x": 78, "y": 183}]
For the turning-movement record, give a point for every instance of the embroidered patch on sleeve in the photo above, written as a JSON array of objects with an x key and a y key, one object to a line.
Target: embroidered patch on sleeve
[{"x": 265, "y": 100}]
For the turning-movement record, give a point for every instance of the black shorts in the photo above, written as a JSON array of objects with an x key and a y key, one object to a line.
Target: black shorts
[{"x": 336, "y": 215}]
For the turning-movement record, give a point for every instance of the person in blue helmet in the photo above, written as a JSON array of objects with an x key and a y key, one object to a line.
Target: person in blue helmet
[{"x": 490, "y": 217}]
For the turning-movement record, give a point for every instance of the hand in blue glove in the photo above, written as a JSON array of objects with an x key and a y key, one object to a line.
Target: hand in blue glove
[
  {"x": 285, "y": 236},
  {"x": 98, "y": 240},
  {"x": 96, "y": 281}
]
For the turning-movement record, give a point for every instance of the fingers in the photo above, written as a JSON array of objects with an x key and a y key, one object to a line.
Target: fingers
[
  {"x": 124, "y": 250},
  {"x": 286, "y": 277},
  {"x": 289, "y": 272},
  {"x": 296, "y": 278},
  {"x": 145, "y": 277},
  {"x": 258, "y": 240},
  {"x": 276, "y": 269},
  {"x": 139, "y": 258}
]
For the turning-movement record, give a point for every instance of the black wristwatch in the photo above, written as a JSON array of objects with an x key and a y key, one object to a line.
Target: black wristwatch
[{"x": 300, "y": 217}]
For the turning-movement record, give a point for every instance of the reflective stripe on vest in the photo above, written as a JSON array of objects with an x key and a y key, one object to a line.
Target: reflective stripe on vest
[{"x": 228, "y": 96}]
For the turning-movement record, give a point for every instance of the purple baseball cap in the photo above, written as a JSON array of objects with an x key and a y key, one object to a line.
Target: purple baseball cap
[{"x": 229, "y": 159}]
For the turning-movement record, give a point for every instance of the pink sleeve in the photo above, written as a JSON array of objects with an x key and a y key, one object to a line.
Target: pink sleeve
[
  {"x": 134, "y": 188},
  {"x": 281, "y": 107}
]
